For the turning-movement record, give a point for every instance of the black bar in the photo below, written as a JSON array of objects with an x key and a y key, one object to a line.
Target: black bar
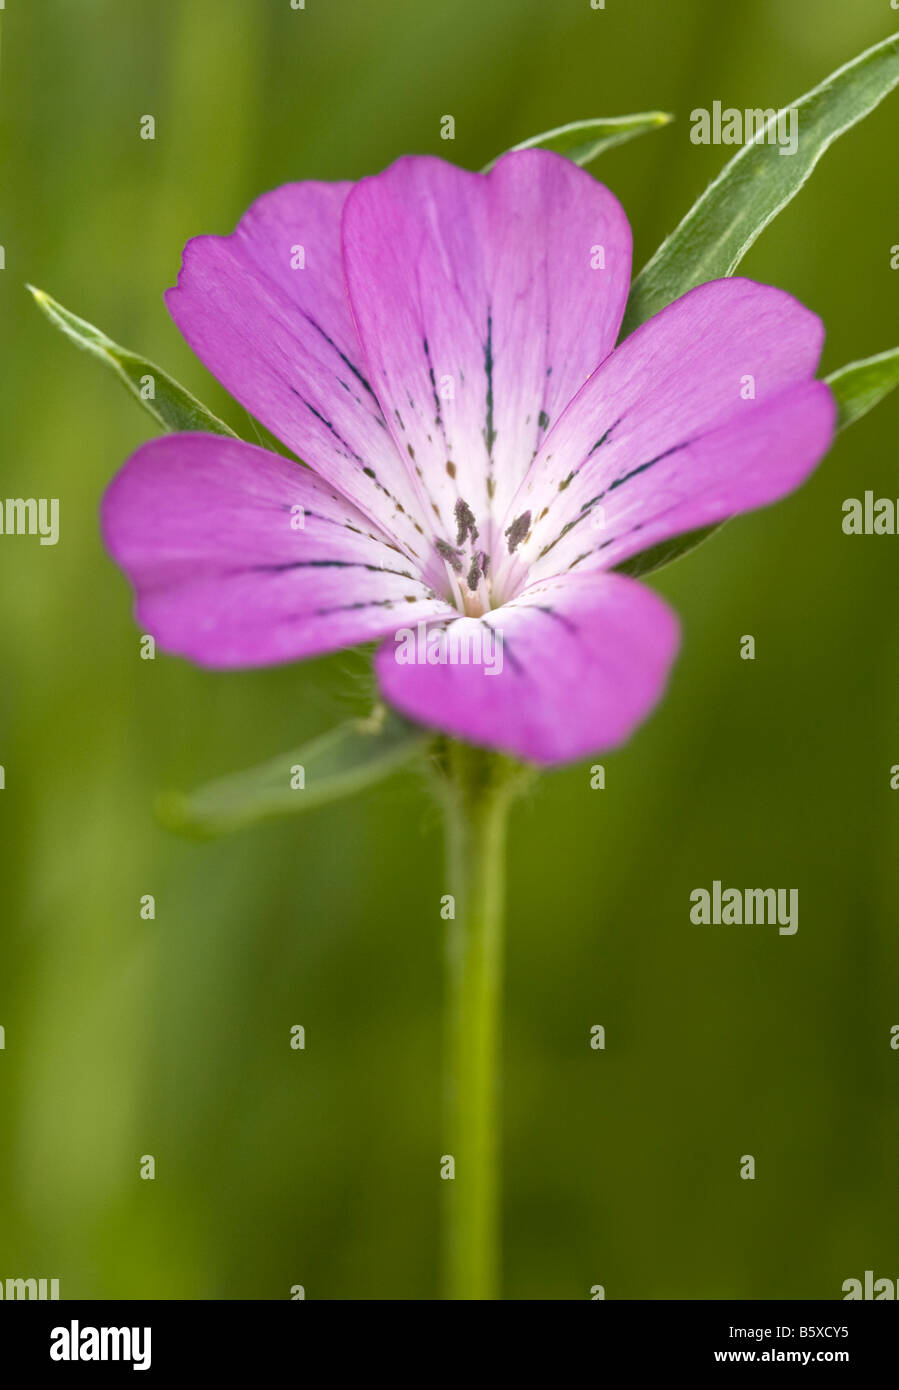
[{"x": 233, "y": 1338}]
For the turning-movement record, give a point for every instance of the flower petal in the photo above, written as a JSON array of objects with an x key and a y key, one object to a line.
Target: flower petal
[
  {"x": 707, "y": 410},
  {"x": 240, "y": 557},
  {"x": 745, "y": 464},
  {"x": 482, "y": 306},
  {"x": 281, "y": 340},
  {"x": 584, "y": 659}
]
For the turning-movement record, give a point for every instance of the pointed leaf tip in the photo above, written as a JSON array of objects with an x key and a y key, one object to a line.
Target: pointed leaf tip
[
  {"x": 171, "y": 405},
  {"x": 584, "y": 141},
  {"x": 349, "y": 759}
]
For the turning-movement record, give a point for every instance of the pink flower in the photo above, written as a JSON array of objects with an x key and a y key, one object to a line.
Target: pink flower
[{"x": 439, "y": 348}]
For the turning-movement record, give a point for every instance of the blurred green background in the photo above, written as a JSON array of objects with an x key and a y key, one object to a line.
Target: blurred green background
[{"x": 126, "y": 1037}]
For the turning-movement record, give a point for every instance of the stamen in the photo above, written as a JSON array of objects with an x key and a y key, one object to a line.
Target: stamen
[
  {"x": 473, "y": 578},
  {"x": 516, "y": 533},
  {"x": 465, "y": 522},
  {"x": 449, "y": 554}
]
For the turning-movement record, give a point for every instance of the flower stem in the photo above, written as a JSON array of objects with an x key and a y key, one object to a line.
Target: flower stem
[{"x": 479, "y": 787}]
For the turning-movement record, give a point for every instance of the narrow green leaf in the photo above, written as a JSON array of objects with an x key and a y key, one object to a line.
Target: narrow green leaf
[
  {"x": 753, "y": 186},
  {"x": 172, "y": 406},
  {"x": 349, "y": 758},
  {"x": 583, "y": 141},
  {"x": 860, "y": 385}
]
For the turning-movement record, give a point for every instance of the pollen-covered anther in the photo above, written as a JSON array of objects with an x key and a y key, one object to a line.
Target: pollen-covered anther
[
  {"x": 516, "y": 533},
  {"x": 477, "y": 570},
  {"x": 467, "y": 530},
  {"x": 451, "y": 554}
]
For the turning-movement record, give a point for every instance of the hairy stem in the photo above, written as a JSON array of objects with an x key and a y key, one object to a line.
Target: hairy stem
[{"x": 478, "y": 788}]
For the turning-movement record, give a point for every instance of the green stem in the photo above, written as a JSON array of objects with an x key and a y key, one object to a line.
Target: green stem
[{"x": 479, "y": 787}]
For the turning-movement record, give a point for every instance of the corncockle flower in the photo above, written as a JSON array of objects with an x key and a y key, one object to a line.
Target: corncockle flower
[
  {"x": 439, "y": 348},
  {"x": 478, "y": 471}
]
